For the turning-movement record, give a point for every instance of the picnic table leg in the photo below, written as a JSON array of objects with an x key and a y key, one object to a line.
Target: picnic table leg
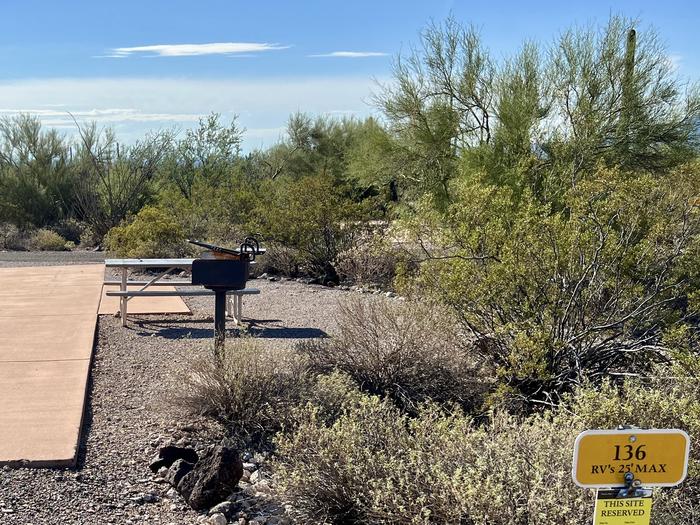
[
  {"x": 123, "y": 300},
  {"x": 239, "y": 311}
]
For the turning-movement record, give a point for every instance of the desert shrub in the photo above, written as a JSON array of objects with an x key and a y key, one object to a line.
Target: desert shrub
[
  {"x": 374, "y": 464},
  {"x": 279, "y": 259},
  {"x": 115, "y": 181},
  {"x": 252, "y": 391},
  {"x": 371, "y": 260},
  {"x": 89, "y": 239},
  {"x": 12, "y": 238},
  {"x": 409, "y": 352},
  {"x": 37, "y": 182},
  {"x": 152, "y": 233},
  {"x": 70, "y": 229},
  {"x": 48, "y": 240},
  {"x": 552, "y": 298},
  {"x": 312, "y": 216}
]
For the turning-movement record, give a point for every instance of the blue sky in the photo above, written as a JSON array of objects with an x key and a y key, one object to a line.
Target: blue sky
[{"x": 149, "y": 64}]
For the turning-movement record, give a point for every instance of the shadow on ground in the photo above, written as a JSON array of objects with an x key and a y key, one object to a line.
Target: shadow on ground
[{"x": 255, "y": 328}]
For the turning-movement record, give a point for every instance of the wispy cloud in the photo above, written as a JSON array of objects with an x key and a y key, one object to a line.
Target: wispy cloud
[
  {"x": 134, "y": 106},
  {"x": 52, "y": 117},
  {"x": 188, "y": 50},
  {"x": 674, "y": 61},
  {"x": 351, "y": 54}
]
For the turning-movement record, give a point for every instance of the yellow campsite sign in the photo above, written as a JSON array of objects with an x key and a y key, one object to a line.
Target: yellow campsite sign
[
  {"x": 610, "y": 509},
  {"x": 657, "y": 458}
]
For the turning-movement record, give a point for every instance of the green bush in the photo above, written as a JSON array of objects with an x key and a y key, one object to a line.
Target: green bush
[
  {"x": 70, "y": 229},
  {"x": 253, "y": 391},
  {"x": 48, "y": 240},
  {"x": 551, "y": 298},
  {"x": 152, "y": 233},
  {"x": 312, "y": 216},
  {"x": 373, "y": 464},
  {"x": 407, "y": 351}
]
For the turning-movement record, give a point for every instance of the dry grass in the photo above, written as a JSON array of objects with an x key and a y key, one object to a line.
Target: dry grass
[
  {"x": 409, "y": 352},
  {"x": 252, "y": 392}
]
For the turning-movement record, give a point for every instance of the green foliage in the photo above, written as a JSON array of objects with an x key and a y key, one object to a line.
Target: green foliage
[
  {"x": 311, "y": 215},
  {"x": 204, "y": 156},
  {"x": 553, "y": 298},
  {"x": 153, "y": 232},
  {"x": 36, "y": 183},
  {"x": 115, "y": 181},
  {"x": 372, "y": 464},
  {"x": 540, "y": 120},
  {"x": 48, "y": 240}
]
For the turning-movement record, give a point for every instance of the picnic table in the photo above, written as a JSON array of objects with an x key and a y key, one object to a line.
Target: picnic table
[{"x": 234, "y": 304}]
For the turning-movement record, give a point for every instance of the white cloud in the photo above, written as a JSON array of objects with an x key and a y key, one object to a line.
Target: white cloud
[
  {"x": 674, "y": 62},
  {"x": 351, "y": 54},
  {"x": 109, "y": 116},
  {"x": 134, "y": 106},
  {"x": 187, "y": 50}
]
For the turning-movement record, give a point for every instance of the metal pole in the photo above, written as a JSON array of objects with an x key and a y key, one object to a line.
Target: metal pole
[{"x": 219, "y": 322}]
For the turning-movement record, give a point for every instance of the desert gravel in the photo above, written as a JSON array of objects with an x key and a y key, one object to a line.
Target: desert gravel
[{"x": 128, "y": 414}]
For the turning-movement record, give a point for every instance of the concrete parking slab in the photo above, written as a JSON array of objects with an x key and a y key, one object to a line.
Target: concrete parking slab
[{"x": 47, "y": 327}]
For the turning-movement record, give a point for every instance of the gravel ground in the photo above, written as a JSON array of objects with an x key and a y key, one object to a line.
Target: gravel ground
[
  {"x": 49, "y": 258},
  {"x": 128, "y": 414}
]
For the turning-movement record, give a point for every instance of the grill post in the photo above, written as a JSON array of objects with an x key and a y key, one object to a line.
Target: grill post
[{"x": 219, "y": 322}]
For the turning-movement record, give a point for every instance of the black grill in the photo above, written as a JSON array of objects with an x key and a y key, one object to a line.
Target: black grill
[{"x": 221, "y": 270}]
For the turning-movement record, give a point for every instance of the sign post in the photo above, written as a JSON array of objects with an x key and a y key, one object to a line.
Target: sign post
[{"x": 624, "y": 464}]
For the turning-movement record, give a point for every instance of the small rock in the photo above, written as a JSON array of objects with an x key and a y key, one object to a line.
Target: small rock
[
  {"x": 249, "y": 465},
  {"x": 255, "y": 477},
  {"x": 390, "y": 294},
  {"x": 263, "y": 276},
  {"x": 218, "y": 519},
  {"x": 150, "y": 497},
  {"x": 272, "y": 279},
  {"x": 225, "y": 508},
  {"x": 263, "y": 486},
  {"x": 170, "y": 454},
  {"x": 177, "y": 471}
]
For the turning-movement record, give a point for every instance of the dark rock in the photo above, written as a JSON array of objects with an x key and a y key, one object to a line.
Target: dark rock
[
  {"x": 177, "y": 471},
  {"x": 170, "y": 454},
  {"x": 213, "y": 478}
]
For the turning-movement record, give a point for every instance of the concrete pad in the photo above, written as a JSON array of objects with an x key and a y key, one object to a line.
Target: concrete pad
[
  {"x": 144, "y": 305},
  {"x": 35, "y": 338},
  {"x": 47, "y": 321},
  {"x": 41, "y": 411}
]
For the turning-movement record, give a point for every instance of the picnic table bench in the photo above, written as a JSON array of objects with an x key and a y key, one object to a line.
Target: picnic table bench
[{"x": 234, "y": 304}]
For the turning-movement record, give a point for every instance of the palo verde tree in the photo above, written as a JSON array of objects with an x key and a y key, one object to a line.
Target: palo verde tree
[
  {"x": 562, "y": 233},
  {"x": 115, "y": 181},
  {"x": 541, "y": 119},
  {"x": 36, "y": 179}
]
